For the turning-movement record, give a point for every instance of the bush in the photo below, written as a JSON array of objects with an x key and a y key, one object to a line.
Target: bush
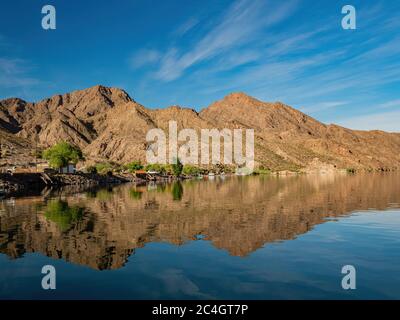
[
  {"x": 155, "y": 167},
  {"x": 91, "y": 170},
  {"x": 167, "y": 168},
  {"x": 262, "y": 170},
  {"x": 190, "y": 170},
  {"x": 104, "y": 168},
  {"x": 133, "y": 166}
]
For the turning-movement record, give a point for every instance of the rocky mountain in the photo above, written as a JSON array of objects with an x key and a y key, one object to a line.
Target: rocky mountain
[{"x": 108, "y": 125}]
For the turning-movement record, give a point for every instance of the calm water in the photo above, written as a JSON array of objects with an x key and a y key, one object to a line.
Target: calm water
[{"x": 237, "y": 238}]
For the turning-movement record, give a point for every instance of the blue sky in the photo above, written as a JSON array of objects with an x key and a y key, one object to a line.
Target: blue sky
[{"x": 192, "y": 53}]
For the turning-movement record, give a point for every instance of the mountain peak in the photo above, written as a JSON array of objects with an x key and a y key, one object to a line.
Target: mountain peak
[
  {"x": 109, "y": 92},
  {"x": 234, "y": 100},
  {"x": 239, "y": 97},
  {"x": 12, "y": 102}
]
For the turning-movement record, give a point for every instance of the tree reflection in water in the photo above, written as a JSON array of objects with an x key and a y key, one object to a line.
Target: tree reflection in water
[{"x": 62, "y": 214}]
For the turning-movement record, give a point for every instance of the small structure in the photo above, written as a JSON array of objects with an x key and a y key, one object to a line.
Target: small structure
[
  {"x": 70, "y": 168},
  {"x": 147, "y": 175},
  {"x": 141, "y": 174}
]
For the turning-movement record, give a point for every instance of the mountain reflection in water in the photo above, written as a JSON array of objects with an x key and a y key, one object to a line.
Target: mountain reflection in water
[{"x": 101, "y": 229}]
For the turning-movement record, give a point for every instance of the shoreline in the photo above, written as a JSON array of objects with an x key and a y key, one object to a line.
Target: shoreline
[
  {"x": 27, "y": 184},
  {"x": 19, "y": 184}
]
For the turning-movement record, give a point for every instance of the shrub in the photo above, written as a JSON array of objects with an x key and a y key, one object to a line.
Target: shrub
[
  {"x": 133, "y": 166},
  {"x": 190, "y": 170},
  {"x": 154, "y": 167},
  {"x": 262, "y": 170},
  {"x": 167, "y": 168},
  {"x": 104, "y": 168},
  {"x": 91, "y": 170}
]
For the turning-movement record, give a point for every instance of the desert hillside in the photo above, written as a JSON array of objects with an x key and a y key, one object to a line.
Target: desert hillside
[{"x": 108, "y": 125}]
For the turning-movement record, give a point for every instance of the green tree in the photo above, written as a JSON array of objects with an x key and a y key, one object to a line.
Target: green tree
[
  {"x": 177, "y": 167},
  {"x": 61, "y": 154}
]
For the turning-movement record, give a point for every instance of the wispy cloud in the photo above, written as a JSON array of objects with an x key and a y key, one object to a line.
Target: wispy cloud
[
  {"x": 237, "y": 27},
  {"x": 389, "y": 104},
  {"x": 186, "y": 27},
  {"x": 323, "y": 106},
  {"x": 12, "y": 66},
  {"x": 14, "y": 73},
  {"x": 258, "y": 47},
  {"x": 144, "y": 57}
]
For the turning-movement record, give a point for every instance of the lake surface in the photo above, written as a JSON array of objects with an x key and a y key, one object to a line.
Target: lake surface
[{"x": 232, "y": 238}]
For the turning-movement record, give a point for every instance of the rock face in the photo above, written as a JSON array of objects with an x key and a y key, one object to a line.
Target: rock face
[{"x": 107, "y": 124}]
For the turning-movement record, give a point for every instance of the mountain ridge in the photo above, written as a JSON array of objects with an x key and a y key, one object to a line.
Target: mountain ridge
[{"x": 108, "y": 125}]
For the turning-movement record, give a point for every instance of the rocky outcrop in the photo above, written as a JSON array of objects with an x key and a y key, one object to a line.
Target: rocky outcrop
[
  {"x": 28, "y": 183},
  {"x": 13, "y": 184},
  {"x": 85, "y": 179}
]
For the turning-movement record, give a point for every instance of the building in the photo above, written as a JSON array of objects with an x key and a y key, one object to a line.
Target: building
[{"x": 70, "y": 168}]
